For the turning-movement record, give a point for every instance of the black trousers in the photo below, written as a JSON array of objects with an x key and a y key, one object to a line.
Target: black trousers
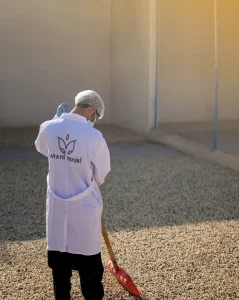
[{"x": 90, "y": 271}]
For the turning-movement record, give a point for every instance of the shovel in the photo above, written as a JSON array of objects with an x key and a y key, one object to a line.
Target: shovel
[{"x": 123, "y": 278}]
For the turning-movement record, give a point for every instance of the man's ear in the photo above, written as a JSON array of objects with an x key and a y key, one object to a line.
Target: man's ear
[{"x": 94, "y": 107}]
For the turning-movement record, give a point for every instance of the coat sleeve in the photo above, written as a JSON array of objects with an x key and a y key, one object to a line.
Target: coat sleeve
[
  {"x": 41, "y": 142},
  {"x": 101, "y": 162}
]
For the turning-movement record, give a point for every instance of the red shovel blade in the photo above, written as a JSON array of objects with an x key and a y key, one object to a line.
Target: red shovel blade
[{"x": 124, "y": 279}]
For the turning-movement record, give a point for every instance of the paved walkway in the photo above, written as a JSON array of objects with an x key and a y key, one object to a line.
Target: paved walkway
[
  {"x": 202, "y": 132},
  {"x": 118, "y": 149}
]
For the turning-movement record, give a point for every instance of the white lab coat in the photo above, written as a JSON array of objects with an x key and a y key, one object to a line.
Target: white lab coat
[{"x": 79, "y": 161}]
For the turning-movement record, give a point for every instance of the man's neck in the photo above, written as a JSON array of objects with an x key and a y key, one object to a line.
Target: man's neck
[{"x": 79, "y": 111}]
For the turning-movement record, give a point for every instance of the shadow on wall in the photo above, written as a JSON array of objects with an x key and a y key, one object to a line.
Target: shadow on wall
[{"x": 141, "y": 192}]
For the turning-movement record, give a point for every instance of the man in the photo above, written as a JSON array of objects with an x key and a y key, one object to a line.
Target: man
[{"x": 79, "y": 161}]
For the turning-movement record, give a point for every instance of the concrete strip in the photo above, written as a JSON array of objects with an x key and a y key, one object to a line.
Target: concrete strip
[
  {"x": 26, "y": 136},
  {"x": 195, "y": 149}
]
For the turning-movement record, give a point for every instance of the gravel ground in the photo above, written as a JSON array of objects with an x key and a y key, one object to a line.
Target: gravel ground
[{"x": 173, "y": 222}]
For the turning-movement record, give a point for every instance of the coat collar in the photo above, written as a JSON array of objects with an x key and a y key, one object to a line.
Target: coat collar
[{"x": 72, "y": 116}]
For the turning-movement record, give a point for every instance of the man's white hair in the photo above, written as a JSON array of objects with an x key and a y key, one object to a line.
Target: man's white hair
[{"x": 90, "y": 98}]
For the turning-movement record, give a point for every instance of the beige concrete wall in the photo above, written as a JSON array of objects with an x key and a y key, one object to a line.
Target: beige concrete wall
[
  {"x": 186, "y": 60},
  {"x": 50, "y": 50},
  {"x": 186, "y": 54},
  {"x": 228, "y": 28},
  {"x": 131, "y": 63}
]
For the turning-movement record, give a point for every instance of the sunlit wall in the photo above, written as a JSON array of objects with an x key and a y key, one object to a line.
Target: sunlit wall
[
  {"x": 51, "y": 50},
  {"x": 186, "y": 60}
]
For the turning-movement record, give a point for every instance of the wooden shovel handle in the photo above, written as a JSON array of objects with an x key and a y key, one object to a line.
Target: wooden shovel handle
[{"x": 109, "y": 247}]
